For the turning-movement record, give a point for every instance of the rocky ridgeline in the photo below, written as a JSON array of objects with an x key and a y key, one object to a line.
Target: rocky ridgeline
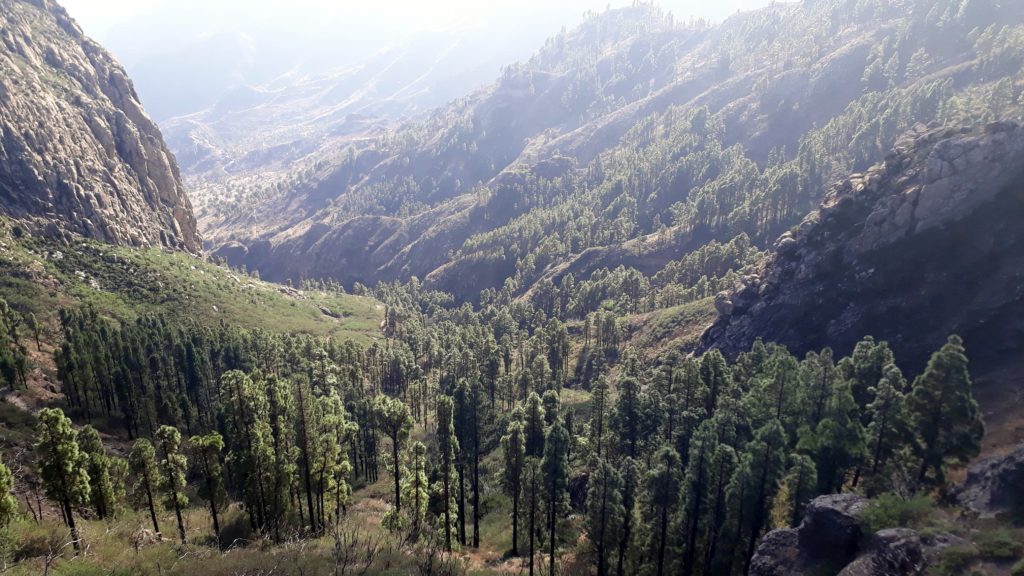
[
  {"x": 77, "y": 152},
  {"x": 935, "y": 222}
]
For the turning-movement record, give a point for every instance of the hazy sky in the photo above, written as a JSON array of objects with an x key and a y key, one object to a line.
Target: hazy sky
[
  {"x": 185, "y": 54},
  {"x": 99, "y": 17}
]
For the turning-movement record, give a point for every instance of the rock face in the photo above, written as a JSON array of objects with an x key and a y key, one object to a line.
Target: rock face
[
  {"x": 936, "y": 223},
  {"x": 829, "y": 541},
  {"x": 995, "y": 486},
  {"x": 77, "y": 152}
]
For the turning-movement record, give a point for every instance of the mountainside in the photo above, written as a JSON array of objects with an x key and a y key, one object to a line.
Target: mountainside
[
  {"x": 270, "y": 135},
  {"x": 78, "y": 154},
  {"x": 634, "y": 127},
  {"x": 924, "y": 244}
]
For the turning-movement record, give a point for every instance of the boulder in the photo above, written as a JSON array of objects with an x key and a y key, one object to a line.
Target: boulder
[
  {"x": 995, "y": 486},
  {"x": 826, "y": 540},
  {"x": 894, "y": 551}
]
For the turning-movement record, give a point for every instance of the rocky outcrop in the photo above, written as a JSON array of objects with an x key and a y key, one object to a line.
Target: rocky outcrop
[
  {"x": 830, "y": 541},
  {"x": 78, "y": 154},
  {"x": 937, "y": 222},
  {"x": 995, "y": 486},
  {"x": 829, "y": 536},
  {"x": 888, "y": 553}
]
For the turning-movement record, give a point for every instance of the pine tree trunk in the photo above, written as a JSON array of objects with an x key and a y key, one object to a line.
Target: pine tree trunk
[
  {"x": 398, "y": 489},
  {"x": 552, "y": 525},
  {"x": 152, "y": 508},
  {"x": 69, "y": 515},
  {"x": 515, "y": 520}
]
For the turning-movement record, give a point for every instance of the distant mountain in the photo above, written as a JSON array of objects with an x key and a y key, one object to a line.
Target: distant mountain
[
  {"x": 632, "y": 140},
  {"x": 78, "y": 154},
  {"x": 261, "y": 133}
]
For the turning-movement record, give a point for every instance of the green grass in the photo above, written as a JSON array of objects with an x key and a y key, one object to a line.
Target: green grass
[
  {"x": 40, "y": 276},
  {"x": 677, "y": 327}
]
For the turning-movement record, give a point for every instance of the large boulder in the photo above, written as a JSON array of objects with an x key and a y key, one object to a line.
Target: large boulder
[
  {"x": 894, "y": 551},
  {"x": 995, "y": 486},
  {"x": 830, "y": 542},
  {"x": 827, "y": 540}
]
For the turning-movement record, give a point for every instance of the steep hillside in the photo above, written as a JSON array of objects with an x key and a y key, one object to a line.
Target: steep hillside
[
  {"x": 924, "y": 244},
  {"x": 634, "y": 125},
  {"x": 77, "y": 152}
]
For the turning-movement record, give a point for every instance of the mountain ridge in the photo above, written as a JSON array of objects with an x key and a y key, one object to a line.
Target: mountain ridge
[{"x": 739, "y": 128}]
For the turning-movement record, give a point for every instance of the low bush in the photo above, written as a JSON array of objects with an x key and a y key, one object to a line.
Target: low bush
[
  {"x": 999, "y": 545},
  {"x": 891, "y": 511}
]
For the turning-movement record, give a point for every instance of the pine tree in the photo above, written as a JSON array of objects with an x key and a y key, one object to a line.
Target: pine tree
[
  {"x": 514, "y": 447},
  {"x": 865, "y": 367},
  {"x": 605, "y": 513},
  {"x": 556, "y": 480},
  {"x": 696, "y": 490},
  {"x": 395, "y": 420},
  {"x": 598, "y": 416},
  {"x": 62, "y": 466},
  {"x": 631, "y": 484},
  {"x": 724, "y": 468},
  {"x": 533, "y": 495},
  {"x": 250, "y": 442},
  {"x": 944, "y": 413},
  {"x": 714, "y": 372},
  {"x": 142, "y": 463},
  {"x": 101, "y": 488},
  {"x": 663, "y": 484},
  {"x": 173, "y": 466},
  {"x": 447, "y": 448},
  {"x": 763, "y": 466},
  {"x": 800, "y": 485},
  {"x": 837, "y": 445},
  {"x": 206, "y": 454},
  {"x": 415, "y": 488},
  {"x": 8, "y": 505},
  {"x": 887, "y": 417},
  {"x": 533, "y": 426}
]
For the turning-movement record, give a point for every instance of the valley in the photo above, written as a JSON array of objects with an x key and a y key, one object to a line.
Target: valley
[{"x": 668, "y": 297}]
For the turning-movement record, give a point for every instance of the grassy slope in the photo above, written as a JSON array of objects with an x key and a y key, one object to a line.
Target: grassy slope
[{"x": 40, "y": 276}]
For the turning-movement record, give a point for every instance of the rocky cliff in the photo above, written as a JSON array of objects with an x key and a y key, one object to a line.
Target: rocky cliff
[
  {"x": 78, "y": 154},
  {"x": 924, "y": 244}
]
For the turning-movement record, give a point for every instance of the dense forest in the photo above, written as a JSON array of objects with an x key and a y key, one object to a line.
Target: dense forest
[{"x": 667, "y": 465}]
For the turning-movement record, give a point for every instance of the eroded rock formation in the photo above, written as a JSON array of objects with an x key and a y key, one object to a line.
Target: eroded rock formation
[
  {"x": 924, "y": 244},
  {"x": 78, "y": 154}
]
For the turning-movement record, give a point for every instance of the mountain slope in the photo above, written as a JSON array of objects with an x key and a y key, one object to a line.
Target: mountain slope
[
  {"x": 924, "y": 244},
  {"x": 78, "y": 154},
  {"x": 632, "y": 125}
]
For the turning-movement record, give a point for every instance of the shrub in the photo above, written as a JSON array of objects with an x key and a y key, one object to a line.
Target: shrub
[
  {"x": 37, "y": 540},
  {"x": 955, "y": 560},
  {"x": 1018, "y": 569},
  {"x": 999, "y": 545},
  {"x": 891, "y": 511}
]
